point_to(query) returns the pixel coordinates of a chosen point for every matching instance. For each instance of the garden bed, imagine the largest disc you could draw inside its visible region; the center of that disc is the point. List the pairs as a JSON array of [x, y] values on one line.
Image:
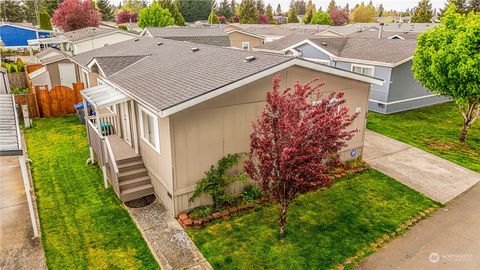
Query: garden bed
[[334, 227]]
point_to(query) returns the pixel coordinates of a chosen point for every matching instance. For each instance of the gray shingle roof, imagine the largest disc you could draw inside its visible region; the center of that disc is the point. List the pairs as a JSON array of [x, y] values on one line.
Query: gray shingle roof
[[379, 50], [200, 35], [86, 32], [112, 64], [52, 59], [285, 42], [172, 74]]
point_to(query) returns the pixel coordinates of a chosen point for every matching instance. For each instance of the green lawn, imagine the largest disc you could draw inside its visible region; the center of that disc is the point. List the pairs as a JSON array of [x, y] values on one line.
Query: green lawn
[[434, 129], [83, 225], [324, 227]]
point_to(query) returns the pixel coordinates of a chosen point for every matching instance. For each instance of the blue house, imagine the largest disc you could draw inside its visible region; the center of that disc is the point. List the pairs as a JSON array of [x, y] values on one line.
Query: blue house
[[16, 36]]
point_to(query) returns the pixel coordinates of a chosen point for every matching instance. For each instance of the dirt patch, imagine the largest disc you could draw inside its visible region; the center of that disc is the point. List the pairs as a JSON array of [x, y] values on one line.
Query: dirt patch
[[141, 202]]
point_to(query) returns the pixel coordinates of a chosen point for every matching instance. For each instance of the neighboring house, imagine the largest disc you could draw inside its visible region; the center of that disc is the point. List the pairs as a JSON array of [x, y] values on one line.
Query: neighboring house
[[16, 36], [201, 35], [61, 71], [168, 110], [387, 59], [244, 40]]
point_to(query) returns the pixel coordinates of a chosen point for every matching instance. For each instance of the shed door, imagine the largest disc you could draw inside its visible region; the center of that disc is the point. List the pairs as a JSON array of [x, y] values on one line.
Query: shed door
[[67, 74]]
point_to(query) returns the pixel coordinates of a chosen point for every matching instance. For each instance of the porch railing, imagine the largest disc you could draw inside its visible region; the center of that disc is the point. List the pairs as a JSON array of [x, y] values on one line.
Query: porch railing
[[108, 123], [112, 167], [96, 142]]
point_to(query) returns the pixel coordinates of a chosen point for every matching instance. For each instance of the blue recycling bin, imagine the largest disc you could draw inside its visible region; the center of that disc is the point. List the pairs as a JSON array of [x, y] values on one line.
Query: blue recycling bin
[[80, 111]]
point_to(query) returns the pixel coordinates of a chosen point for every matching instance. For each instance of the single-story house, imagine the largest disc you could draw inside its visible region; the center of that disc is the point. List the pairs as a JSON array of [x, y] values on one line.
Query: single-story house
[[201, 35], [16, 36], [387, 59], [167, 110], [61, 71]]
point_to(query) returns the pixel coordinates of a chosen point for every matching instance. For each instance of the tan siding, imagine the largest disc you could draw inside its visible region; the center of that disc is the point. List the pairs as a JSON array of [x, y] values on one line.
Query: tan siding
[[206, 132], [237, 38]]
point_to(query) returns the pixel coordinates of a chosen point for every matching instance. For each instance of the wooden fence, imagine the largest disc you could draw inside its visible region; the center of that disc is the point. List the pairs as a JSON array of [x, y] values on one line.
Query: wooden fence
[[58, 101], [17, 80]]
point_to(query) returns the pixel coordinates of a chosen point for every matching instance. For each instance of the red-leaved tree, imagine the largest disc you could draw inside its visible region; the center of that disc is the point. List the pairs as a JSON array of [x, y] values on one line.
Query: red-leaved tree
[[263, 19], [339, 16], [125, 16], [295, 141], [75, 14], [235, 19]]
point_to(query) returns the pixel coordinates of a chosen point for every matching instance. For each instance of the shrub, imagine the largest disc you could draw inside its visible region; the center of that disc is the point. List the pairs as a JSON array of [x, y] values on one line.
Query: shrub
[[45, 21], [216, 181], [20, 65], [125, 16], [123, 27], [251, 193]]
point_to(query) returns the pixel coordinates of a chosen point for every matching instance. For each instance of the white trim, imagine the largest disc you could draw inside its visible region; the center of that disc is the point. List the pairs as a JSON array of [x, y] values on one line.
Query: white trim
[[245, 33], [156, 131], [27, 28], [146, 33], [248, 45], [306, 41], [87, 77], [352, 66], [396, 36], [267, 72], [94, 62], [403, 100], [331, 31], [101, 35], [322, 61], [403, 61]]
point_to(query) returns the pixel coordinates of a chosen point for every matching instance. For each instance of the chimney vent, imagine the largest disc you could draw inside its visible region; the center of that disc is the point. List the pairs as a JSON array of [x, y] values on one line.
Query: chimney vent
[[137, 39], [380, 31], [159, 43], [195, 49], [324, 44], [249, 58]]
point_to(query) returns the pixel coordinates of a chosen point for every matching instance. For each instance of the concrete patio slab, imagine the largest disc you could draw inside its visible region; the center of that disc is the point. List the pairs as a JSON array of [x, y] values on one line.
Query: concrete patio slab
[[431, 175], [18, 248], [169, 243], [449, 239]]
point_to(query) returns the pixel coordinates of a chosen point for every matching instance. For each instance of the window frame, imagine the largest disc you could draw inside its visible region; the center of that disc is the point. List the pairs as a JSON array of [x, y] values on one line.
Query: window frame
[[156, 134], [363, 67], [248, 45]]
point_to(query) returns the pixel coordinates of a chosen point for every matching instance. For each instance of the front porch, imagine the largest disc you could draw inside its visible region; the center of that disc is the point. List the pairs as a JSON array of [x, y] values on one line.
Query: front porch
[[110, 141]]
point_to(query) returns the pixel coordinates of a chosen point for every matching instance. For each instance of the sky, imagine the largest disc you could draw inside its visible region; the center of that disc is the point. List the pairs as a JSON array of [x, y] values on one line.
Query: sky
[[387, 4]]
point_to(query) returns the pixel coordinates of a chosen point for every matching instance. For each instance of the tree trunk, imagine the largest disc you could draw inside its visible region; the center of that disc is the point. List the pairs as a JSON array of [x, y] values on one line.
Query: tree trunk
[[463, 134], [470, 113], [283, 220]]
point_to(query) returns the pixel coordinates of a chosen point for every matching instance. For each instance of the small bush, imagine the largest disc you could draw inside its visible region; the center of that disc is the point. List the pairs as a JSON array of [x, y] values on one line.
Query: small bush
[[19, 91], [251, 193], [123, 27]]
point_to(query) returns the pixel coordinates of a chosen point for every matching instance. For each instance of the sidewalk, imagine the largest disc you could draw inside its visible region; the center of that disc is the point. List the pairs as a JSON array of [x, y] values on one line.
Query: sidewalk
[[18, 248], [449, 239], [431, 175], [168, 241]]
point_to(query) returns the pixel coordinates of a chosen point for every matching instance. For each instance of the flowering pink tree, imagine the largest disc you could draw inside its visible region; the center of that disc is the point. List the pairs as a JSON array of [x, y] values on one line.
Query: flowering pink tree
[[263, 19], [235, 19], [339, 16], [75, 14], [222, 19], [295, 142], [125, 16]]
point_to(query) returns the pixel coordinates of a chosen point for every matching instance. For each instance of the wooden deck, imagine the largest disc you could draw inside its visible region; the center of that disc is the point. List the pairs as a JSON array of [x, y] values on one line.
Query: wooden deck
[[121, 149]]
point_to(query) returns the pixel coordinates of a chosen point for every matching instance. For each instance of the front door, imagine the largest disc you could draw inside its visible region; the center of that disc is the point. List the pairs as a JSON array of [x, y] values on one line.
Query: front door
[[67, 74], [127, 135]]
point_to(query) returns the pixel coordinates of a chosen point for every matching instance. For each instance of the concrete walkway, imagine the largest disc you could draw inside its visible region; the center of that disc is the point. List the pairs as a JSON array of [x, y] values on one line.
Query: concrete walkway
[[450, 239], [18, 248], [433, 176], [168, 241]]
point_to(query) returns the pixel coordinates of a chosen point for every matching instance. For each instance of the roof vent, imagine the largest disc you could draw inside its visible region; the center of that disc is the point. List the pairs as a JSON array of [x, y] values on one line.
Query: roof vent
[[324, 44], [249, 58], [159, 43], [195, 49], [137, 39]]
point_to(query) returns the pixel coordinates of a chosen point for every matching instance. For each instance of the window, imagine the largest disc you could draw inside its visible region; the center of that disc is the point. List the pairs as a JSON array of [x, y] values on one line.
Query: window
[[364, 70], [149, 129], [245, 45]]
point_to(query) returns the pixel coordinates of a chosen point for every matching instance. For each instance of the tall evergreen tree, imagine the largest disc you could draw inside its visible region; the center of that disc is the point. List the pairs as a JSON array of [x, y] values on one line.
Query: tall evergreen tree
[[224, 9], [45, 21], [233, 7], [310, 11], [380, 10], [260, 6], [49, 5], [331, 6], [106, 10], [279, 10], [31, 10], [301, 7], [462, 6], [11, 11], [292, 15], [423, 12], [247, 12], [347, 8], [172, 7], [269, 12], [194, 10], [474, 5]]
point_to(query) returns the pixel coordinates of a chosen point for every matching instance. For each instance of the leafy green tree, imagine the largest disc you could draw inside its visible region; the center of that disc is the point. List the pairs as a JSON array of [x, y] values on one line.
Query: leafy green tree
[[310, 11], [292, 15], [105, 9], [247, 11], [363, 14], [172, 7], [213, 18], [30, 8], [225, 9], [322, 18], [447, 62], [11, 11], [133, 6], [45, 21], [156, 16], [279, 10], [269, 12], [331, 6], [194, 10], [260, 6], [49, 5], [423, 12]]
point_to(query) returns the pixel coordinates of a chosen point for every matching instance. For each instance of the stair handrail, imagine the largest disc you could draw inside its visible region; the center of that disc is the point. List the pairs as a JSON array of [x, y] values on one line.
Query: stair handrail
[[112, 157]]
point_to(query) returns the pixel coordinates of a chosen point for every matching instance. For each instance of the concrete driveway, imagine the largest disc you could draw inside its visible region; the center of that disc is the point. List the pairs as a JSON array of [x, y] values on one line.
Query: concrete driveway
[[450, 239], [18, 248], [433, 176]]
